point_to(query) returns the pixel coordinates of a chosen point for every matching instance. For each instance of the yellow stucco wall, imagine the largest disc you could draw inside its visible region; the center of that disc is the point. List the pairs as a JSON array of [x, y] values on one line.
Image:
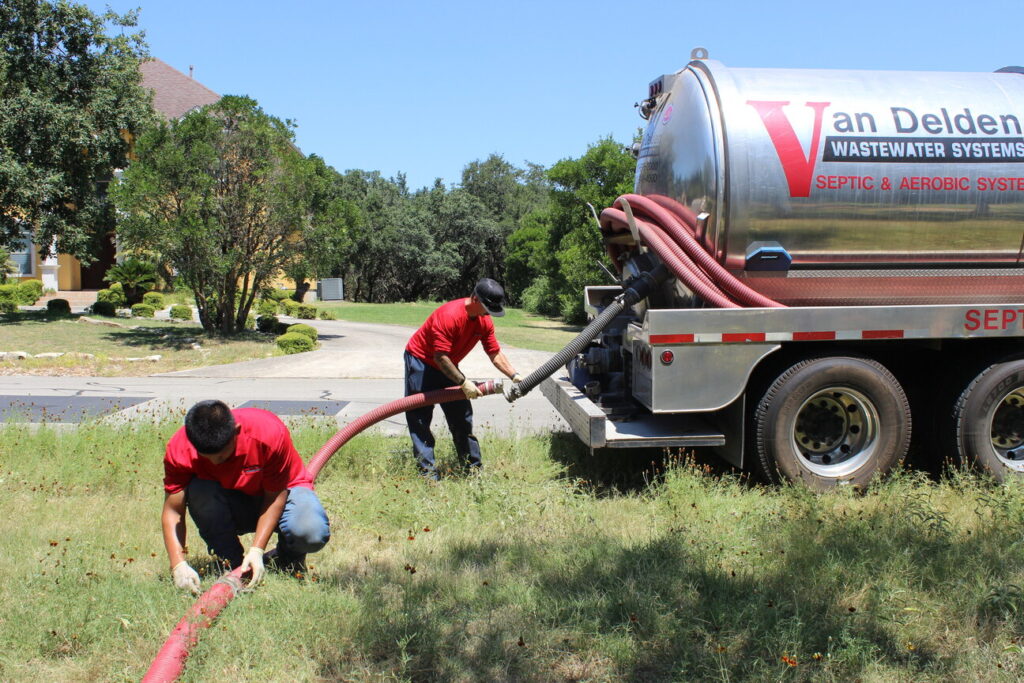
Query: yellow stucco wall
[[69, 275]]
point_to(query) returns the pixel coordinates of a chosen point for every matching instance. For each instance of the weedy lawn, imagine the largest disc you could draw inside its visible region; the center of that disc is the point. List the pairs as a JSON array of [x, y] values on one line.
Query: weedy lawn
[[180, 345], [549, 566]]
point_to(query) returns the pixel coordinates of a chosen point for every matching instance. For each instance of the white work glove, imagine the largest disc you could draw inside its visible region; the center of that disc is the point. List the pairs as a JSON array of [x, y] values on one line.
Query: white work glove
[[517, 378], [470, 390], [185, 577], [254, 561]]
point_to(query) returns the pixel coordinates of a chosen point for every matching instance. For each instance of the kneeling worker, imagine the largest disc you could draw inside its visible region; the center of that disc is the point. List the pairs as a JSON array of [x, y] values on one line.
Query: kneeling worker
[[237, 472]]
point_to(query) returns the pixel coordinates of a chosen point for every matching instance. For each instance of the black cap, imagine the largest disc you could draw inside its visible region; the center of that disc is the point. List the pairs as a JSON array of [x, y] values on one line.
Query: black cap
[[491, 295]]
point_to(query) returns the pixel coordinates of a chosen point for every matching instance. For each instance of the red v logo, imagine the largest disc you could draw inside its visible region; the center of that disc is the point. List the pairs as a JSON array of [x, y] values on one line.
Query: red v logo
[[797, 167]]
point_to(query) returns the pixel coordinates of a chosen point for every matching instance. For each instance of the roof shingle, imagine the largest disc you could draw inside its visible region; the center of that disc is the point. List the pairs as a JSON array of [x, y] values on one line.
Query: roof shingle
[[174, 93]]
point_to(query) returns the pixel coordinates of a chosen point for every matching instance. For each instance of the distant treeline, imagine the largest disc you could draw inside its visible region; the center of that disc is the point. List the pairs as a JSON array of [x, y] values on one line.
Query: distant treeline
[[529, 228]]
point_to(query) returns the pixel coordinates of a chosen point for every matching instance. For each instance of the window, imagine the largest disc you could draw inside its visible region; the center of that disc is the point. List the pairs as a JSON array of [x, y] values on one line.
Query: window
[[22, 252]]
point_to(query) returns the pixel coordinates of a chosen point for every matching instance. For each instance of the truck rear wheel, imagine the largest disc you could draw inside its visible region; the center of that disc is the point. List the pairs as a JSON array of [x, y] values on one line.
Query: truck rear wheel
[[989, 420], [830, 421]]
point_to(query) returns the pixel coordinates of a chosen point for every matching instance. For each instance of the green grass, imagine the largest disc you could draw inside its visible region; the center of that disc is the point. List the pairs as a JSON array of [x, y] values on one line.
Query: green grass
[[34, 333], [541, 569], [516, 328]]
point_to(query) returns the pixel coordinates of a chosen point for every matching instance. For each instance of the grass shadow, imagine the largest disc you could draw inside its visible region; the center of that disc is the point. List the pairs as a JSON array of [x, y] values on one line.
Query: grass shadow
[[664, 609], [42, 316], [614, 471]]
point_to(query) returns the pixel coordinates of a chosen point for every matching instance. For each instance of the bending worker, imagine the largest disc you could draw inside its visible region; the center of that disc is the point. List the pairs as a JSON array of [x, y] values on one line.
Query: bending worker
[[237, 472], [432, 359]]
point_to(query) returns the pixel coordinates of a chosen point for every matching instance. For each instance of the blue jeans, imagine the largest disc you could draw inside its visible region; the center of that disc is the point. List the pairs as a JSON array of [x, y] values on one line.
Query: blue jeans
[[221, 515], [420, 377]]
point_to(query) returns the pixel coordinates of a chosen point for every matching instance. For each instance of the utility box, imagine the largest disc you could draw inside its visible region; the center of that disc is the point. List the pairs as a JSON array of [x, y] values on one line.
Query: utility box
[[330, 289]]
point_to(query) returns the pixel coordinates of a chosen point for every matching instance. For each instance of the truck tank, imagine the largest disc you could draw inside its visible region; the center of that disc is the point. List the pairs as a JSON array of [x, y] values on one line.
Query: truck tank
[[826, 187]]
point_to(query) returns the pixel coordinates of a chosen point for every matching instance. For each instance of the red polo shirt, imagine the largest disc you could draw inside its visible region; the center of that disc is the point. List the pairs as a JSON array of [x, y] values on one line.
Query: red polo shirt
[[265, 458], [451, 331]]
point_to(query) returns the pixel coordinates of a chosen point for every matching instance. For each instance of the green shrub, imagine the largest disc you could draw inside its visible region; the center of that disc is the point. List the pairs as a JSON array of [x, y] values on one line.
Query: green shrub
[[7, 306], [327, 315], [58, 307], [289, 307], [267, 323], [9, 293], [541, 297], [114, 295], [104, 308], [181, 312], [266, 307], [154, 299], [142, 311], [277, 295], [293, 342], [302, 328], [134, 275], [306, 312], [29, 291]]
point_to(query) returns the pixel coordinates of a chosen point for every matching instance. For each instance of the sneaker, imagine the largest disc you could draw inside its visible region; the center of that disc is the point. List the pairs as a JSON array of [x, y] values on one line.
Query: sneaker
[[293, 564]]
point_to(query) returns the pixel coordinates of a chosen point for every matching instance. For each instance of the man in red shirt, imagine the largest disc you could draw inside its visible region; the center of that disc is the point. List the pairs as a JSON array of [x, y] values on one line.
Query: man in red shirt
[[237, 472], [432, 359]]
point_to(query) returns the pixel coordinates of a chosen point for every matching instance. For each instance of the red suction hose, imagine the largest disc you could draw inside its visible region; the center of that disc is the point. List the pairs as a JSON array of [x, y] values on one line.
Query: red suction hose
[[170, 661], [385, 411], [676, 223]]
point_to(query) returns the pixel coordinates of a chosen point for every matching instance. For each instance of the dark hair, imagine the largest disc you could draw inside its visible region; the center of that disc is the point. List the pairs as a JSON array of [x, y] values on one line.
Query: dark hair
[[209, 426]]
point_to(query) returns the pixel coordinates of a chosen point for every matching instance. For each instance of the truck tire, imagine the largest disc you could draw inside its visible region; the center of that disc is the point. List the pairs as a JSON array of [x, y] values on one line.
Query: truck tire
[[830, 421], [989, 420]]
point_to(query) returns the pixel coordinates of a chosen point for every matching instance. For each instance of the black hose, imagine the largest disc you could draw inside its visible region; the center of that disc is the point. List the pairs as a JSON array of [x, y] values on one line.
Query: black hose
[[640, 288]]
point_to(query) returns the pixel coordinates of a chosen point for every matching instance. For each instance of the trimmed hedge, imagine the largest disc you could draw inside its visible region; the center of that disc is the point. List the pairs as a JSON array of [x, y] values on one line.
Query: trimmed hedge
[[277, 295], [267, 323], [288, 306], [266, 307], [293, 342], [142, 311], [154, 299], [180, 312], [9, 293], [7, 306], [327, 315], [104, 308], [58, 307], [114, 295], [306, 312], [29, 291], [302, 328]]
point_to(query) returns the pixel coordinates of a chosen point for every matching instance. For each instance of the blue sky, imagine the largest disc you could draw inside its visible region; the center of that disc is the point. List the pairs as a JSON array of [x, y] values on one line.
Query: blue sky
[[426, 87]]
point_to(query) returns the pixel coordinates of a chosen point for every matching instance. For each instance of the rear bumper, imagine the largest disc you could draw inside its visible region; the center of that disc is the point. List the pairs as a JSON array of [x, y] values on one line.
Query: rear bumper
[[645, 430]]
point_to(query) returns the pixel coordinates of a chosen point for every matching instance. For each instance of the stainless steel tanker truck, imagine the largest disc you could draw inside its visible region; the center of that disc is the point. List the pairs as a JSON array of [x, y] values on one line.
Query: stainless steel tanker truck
[[834, 265]]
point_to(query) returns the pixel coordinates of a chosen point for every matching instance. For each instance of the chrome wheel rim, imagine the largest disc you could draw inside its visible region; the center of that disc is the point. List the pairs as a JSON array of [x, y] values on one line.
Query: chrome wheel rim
[[1007, 429], [836, 431]]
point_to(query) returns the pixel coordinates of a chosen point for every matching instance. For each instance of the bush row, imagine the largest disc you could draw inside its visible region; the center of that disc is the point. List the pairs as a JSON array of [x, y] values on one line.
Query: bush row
[[24, 293]]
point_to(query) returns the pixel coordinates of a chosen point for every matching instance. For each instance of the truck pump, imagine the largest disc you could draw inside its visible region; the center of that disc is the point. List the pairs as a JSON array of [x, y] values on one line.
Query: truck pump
[[819, 260]]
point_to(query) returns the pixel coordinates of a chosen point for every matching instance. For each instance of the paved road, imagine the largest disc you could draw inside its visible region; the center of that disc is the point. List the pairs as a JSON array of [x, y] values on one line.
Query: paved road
[[357, 368]]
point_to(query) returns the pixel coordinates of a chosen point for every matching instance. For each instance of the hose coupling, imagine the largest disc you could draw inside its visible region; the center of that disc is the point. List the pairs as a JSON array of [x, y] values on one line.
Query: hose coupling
[[490, 386]]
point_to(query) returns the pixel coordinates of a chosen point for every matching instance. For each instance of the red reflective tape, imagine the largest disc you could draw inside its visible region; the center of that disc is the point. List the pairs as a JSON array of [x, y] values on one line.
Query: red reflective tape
[[814, 336], [728, 337], [671, 339], [881, 334]]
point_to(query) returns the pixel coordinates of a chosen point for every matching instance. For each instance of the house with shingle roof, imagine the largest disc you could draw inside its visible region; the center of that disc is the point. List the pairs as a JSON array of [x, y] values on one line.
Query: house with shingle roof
[[174, 95]]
